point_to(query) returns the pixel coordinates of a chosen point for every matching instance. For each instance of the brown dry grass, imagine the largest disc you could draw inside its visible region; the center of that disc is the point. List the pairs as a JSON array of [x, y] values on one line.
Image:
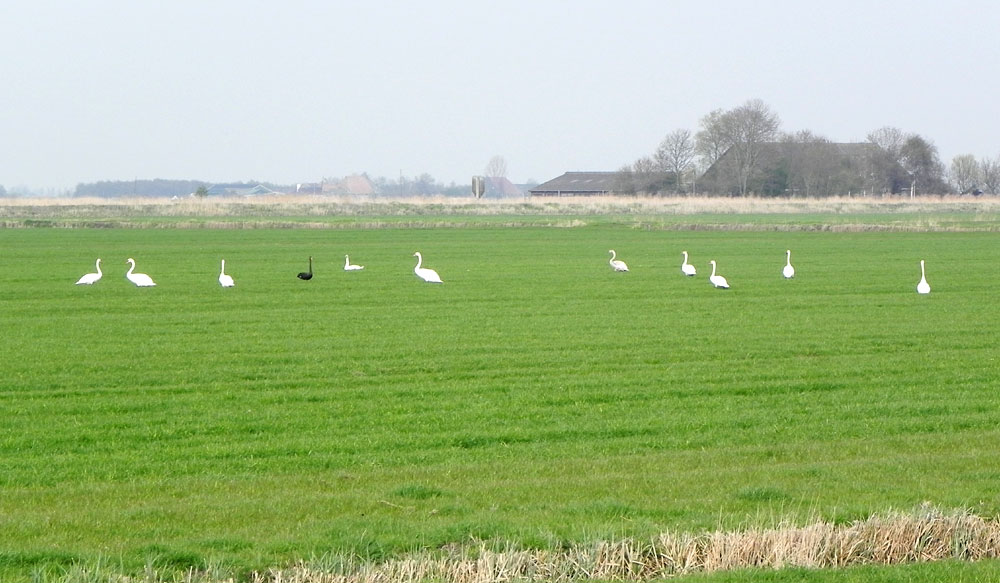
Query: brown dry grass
[[926, 535], [320, 206]]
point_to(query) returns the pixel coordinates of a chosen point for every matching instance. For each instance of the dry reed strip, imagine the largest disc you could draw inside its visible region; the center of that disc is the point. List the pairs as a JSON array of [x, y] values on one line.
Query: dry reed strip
[[927, 535], [313, 206]]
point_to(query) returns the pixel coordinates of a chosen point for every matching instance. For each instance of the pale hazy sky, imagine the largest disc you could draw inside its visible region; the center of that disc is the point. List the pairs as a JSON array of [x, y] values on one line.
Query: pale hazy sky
[[294, 90]]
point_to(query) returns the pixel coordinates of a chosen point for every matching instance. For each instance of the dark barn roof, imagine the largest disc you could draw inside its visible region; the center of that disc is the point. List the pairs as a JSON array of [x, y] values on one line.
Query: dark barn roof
[[578, 184]]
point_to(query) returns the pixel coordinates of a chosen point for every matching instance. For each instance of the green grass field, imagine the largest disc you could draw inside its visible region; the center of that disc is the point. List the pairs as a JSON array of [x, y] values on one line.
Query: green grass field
[[535, 397]]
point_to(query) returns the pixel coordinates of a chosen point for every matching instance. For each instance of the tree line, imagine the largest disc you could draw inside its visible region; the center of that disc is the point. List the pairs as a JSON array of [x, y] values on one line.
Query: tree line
[[743, 151], [421, 185]]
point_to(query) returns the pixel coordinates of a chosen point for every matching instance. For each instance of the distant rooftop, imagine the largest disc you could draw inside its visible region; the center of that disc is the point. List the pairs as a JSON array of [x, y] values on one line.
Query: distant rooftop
[[578, 184]]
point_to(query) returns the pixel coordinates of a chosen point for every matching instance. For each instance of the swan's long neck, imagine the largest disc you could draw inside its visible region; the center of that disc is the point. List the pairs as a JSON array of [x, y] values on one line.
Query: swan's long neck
[[99, 267], [420, 259], [685, 256], [788, 257], [347, 260], [922, 276], [131, 267], [713, 269], [223, 270], [613, 255], [310, 264]]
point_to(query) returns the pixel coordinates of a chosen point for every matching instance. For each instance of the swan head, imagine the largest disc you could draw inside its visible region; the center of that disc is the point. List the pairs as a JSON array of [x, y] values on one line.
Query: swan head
[[130, 260], [416, 253]]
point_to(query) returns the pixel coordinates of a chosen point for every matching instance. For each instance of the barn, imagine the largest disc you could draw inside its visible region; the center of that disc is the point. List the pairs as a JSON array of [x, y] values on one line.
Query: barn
[[605, 183], [578, 184]]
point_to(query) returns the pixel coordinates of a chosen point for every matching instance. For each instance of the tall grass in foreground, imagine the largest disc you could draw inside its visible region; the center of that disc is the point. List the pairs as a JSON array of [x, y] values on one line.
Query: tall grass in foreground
[[880, 540], [897, 539]]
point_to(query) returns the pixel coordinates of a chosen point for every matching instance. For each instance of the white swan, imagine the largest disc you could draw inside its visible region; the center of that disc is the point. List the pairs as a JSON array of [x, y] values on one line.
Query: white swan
[[225, 280], [350, 267], [428, 275], [90, 278], [687, 268], [788, 271], [717, 280], [617, 264], [923, 287], [139, 279]]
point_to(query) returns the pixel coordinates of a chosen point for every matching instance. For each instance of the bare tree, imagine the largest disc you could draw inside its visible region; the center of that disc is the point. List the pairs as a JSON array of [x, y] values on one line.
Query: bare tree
[[990, 171], [496, 167], [889, 139], [900, 161], [644, 165], [625, 180], [921, 162], [751, 127], [884, 172], [424, 184], [965, 173], [676, 155], [812, 163], [713, 139], [644, 175]]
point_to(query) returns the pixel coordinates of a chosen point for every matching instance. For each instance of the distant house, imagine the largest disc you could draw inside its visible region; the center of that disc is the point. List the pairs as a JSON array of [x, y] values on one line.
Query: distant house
[[240, 189], [604, 183], [500, 187], [308, 188], [354, 185], [578, 184]]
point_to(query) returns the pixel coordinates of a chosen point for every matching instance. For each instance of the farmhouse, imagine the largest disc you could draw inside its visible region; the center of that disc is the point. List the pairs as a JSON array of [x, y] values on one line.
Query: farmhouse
[[354, 185], [603, 183], [240, 189], [308, 188], [577, 184], [501, 187], [780, 169]]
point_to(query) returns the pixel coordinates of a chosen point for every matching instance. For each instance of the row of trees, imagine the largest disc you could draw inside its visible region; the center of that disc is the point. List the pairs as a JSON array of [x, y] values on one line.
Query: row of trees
[[743, 151], [421, 185]]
